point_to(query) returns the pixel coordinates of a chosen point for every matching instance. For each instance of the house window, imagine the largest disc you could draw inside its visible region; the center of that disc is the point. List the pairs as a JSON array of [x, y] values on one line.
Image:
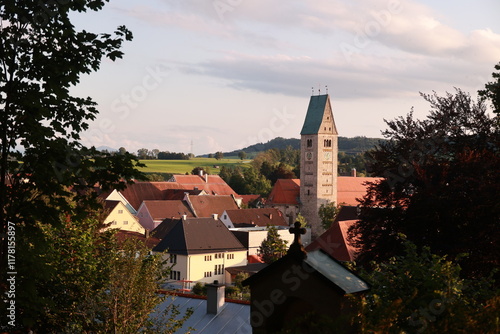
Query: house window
[[219, 269], [173, 258], [309, 143], [208, 257], [175, 275], [208, 274], [225, 216], [115, 222], [125, 222], [230, 256], [120, 211]]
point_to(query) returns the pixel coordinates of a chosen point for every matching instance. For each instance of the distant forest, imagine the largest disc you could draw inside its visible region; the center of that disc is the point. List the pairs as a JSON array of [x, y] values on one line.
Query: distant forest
[[347, 145]]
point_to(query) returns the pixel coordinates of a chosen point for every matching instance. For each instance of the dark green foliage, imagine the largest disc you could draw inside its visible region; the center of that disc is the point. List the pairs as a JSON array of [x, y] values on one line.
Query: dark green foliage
[[242, 155], [200, 289], [219, 155], [172, 156], [419, 292], [441, 186], [248, 181], [327, 213], [273, 247], [492, 91]]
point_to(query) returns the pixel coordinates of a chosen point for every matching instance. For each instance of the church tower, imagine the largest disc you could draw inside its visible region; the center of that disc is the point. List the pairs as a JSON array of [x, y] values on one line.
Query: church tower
[[318, 160]]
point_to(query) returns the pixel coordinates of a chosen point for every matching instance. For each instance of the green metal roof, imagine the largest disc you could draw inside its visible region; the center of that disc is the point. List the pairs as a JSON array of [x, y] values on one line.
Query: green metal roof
[[314, 116]]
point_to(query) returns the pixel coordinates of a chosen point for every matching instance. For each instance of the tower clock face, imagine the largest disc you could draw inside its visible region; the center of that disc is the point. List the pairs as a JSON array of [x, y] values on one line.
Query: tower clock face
[[309, 156], [328, 155]]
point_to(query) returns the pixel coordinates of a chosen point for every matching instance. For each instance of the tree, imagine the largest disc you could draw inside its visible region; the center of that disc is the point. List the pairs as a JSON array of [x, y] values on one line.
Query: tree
[[440, 186], [42, 56], [219, 155], [492, 91], [143, 153], [419, 292], [327, 213], [122, 150], [242, 155], [255, 183], [273, 247], [99, 284]]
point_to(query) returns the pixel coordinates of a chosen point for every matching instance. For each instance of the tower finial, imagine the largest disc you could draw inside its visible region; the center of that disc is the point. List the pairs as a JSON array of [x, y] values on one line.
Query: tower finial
[[319, 89], [326, 87], [312, 88]]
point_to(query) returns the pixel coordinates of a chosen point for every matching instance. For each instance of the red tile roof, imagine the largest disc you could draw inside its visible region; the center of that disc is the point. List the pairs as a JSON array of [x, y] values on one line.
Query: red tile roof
[[122, 235], [285, 191], [207, 205], [334, 242], [212, 184], [141, 191], [349, 188], [256, 217], [246, 199], [160, 210]]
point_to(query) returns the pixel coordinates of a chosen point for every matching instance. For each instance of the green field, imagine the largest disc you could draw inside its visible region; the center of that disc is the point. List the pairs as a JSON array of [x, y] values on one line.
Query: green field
[[186, 166]]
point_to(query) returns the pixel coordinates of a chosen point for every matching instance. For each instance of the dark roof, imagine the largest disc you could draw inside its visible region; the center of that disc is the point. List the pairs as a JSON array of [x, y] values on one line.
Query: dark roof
[[250, 268], [256, 217], [162, 230], [314, 116], [198, 236], [319, 262]]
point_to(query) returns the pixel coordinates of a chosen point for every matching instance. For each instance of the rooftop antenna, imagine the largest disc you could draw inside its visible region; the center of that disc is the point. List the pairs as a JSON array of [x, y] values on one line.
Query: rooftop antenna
[[326, 89], [319, 89], [191, 146]]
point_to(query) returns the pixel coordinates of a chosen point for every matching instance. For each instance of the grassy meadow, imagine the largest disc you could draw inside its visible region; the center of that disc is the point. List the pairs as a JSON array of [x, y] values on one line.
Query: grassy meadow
[[186, 166]]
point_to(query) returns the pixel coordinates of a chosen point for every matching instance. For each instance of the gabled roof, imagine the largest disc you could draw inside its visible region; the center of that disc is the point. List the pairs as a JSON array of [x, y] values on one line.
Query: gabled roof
[[206, 206], [162, 230], [315, 113], [256, 217], [212, 184], [160, 210], [199, 236], [285, 191], [334, 240], [320, 263], [247, 199], [142, 191], [349, 188]]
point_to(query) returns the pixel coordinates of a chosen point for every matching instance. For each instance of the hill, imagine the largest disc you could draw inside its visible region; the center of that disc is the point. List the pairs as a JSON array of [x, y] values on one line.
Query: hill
[[348, 145]]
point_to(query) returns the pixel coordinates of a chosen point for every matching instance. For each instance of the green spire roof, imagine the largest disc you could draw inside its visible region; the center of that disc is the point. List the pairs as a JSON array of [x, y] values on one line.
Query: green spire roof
[[315, 113]]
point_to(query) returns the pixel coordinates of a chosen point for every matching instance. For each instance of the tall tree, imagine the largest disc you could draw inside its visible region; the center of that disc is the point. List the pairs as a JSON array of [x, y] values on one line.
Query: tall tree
[[327, 214], [440, 187], [42, 56], [219, 155], [273, 247], [491, 91]]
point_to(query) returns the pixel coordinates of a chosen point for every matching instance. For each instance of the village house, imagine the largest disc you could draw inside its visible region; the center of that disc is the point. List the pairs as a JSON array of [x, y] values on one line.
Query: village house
[[152, 213], [253, 217], [119, 217], [200, 249]]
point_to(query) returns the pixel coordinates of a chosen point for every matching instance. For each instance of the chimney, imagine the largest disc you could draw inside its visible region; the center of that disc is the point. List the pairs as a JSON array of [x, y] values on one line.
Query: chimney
[[215, 216], [206, 178], [215, 297], [146, 233], [353, 172], [184, 217], [270, 216], [200, 172]]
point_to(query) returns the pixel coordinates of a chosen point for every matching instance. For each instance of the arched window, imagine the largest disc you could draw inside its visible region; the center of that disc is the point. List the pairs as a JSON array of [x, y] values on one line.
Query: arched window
[[309, 143]]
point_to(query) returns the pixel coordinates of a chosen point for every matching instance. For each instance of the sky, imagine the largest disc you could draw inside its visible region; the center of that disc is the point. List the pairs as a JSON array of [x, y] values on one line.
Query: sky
[[204, 76]]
